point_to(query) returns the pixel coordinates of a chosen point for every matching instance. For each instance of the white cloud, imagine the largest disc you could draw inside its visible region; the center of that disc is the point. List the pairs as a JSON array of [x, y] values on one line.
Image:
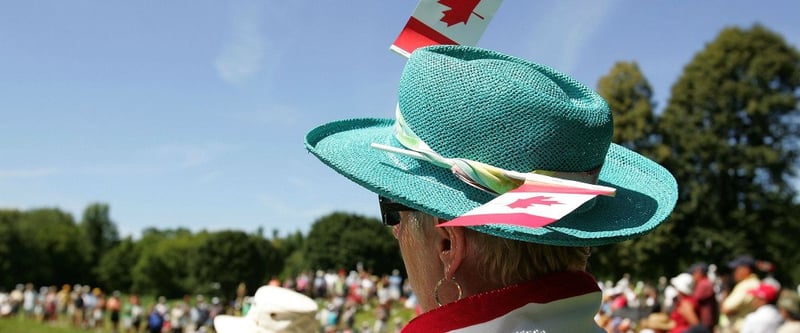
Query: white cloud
[[27, 173], [561, 34], [188, 155], [244, 54], [275, 114], [163, 158]]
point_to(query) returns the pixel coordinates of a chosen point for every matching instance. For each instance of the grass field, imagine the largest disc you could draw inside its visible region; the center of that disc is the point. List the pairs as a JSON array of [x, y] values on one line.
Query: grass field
[[19, 324]]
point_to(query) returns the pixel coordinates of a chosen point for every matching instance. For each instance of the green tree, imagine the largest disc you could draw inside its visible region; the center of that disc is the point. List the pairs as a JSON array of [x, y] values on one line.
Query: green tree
[[114, 269], [100, 233], [10, 247], [630, 97], [229, 257], [51, 249], [293, 249], [167, 263], [731, 126], [341, 240]]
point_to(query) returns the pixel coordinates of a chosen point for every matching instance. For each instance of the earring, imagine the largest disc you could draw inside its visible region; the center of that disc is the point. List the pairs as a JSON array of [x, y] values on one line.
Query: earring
[[439, 284]]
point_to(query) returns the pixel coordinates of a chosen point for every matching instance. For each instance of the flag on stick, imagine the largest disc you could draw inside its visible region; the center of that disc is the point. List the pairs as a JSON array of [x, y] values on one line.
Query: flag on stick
[[445, 22]]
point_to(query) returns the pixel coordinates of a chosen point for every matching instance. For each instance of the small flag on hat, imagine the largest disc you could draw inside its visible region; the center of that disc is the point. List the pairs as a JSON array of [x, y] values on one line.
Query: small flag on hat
[[445, 22], [533, 205]]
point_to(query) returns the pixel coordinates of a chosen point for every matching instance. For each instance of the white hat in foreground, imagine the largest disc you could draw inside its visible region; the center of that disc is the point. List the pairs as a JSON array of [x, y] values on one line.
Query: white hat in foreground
[[274, 310]]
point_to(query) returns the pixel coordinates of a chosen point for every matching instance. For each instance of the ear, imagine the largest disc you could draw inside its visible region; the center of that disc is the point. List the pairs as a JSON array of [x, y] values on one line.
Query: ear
[[451, 247]]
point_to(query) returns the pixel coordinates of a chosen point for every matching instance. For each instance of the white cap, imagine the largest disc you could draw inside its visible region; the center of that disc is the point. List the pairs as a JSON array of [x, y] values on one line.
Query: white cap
[[274, 310], [684, 283]]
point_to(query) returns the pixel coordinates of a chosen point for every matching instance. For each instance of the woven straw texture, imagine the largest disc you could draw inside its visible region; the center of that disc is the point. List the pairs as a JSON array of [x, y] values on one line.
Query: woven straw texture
[[473, 103]]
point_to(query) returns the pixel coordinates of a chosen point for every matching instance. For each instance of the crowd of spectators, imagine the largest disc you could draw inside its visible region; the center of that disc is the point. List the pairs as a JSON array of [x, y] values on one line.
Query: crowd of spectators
[[698, 300], [340, 295]]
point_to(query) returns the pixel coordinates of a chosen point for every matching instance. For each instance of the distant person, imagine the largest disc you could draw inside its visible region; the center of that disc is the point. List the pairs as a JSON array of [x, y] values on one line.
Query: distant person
[[132, 314], [684, 311], [274, 310], [737, 304], [29, 300], [789, 307], [114, 306], [765, 318], [155, 320], [707, 305]]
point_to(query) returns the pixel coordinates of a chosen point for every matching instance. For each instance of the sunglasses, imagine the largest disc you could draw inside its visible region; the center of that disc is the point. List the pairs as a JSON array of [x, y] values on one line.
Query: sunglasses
[[390, 211]]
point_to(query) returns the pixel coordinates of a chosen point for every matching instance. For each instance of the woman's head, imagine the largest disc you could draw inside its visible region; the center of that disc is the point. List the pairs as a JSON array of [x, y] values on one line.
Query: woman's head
[[479, 262]]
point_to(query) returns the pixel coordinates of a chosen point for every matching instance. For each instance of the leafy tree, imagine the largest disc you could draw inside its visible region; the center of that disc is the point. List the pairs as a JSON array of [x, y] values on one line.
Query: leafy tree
[[630, 97], [167, 263], [731, 127], [51, 250], [232, 257], [99, 231], [342, 240], [10, 247], [114, 269], [292, 248]]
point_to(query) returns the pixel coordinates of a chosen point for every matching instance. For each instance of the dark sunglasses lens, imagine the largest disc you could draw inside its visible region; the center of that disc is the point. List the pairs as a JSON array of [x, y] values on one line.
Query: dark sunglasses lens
[[391, 218]]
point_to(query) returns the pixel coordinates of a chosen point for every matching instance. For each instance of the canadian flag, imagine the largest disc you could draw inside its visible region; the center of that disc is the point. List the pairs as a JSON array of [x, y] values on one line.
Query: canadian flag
[[445, 22], [532, 205]]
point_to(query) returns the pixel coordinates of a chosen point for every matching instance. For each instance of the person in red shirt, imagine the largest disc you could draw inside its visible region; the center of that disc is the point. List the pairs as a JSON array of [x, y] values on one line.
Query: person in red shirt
[[684, 314], [707, 305]]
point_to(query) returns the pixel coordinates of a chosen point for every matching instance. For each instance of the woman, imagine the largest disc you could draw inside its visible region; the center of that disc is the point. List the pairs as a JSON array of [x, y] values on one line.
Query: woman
[[485, 250], [684, 313]]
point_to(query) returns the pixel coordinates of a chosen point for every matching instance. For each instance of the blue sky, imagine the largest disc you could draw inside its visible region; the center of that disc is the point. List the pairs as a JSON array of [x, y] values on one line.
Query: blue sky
[[193, 113]]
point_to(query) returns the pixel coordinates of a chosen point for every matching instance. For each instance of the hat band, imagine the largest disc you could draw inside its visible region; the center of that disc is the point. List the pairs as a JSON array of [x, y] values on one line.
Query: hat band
[[480, 175]]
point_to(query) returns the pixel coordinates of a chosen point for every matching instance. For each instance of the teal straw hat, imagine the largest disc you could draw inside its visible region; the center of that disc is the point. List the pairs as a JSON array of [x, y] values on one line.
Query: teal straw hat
[[478, 105]]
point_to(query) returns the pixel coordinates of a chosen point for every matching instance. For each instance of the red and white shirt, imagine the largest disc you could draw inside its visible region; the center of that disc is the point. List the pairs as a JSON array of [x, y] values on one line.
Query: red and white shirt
[[558, 302]]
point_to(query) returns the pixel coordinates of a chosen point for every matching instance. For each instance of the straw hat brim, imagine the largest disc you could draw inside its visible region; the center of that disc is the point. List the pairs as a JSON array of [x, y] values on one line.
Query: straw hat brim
[[646, 192]]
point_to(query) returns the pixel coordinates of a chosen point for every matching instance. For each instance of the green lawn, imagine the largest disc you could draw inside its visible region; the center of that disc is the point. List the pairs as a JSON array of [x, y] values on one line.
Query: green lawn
[[21, 325]]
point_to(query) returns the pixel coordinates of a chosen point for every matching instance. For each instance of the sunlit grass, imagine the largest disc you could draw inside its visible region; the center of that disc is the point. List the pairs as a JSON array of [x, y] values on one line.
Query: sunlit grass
[[19, 324]]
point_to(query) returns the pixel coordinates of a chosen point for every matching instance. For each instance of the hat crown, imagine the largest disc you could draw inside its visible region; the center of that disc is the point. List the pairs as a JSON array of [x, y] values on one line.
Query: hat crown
[[460, 101]]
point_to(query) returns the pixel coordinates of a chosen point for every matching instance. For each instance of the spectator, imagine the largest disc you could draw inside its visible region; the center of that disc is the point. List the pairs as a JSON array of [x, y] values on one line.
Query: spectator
[[28, 300], [114, 305], [765, 318], [737, 304], [684, 312], [199, 313], [789, 307], [707, 306], [155, 320]]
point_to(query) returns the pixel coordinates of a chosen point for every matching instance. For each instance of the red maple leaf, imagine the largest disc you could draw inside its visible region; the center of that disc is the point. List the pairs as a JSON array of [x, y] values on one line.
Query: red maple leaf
[[537, 200], [460, 11]]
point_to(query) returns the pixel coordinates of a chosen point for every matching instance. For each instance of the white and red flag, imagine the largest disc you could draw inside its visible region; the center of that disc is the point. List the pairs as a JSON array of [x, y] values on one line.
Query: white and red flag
[[445, 22], [532, 205]]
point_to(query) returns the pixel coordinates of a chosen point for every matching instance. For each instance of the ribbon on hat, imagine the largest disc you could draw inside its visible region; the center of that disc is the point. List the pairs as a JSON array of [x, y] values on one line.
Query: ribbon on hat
[[533, 200], [483, 176]]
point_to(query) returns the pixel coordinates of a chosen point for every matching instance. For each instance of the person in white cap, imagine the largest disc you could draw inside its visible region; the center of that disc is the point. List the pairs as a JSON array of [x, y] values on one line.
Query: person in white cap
[[274, 310]]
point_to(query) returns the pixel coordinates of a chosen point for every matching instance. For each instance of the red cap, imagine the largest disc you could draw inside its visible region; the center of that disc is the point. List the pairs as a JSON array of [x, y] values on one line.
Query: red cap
[[765, 291]]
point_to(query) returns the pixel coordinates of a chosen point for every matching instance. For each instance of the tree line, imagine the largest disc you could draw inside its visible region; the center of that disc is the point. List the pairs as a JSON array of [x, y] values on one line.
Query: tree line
[[729, 135], [48, 247]]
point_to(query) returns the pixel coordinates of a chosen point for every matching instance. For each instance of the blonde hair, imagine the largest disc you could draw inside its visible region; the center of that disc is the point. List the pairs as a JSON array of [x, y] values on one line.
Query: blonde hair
[[507, 261]]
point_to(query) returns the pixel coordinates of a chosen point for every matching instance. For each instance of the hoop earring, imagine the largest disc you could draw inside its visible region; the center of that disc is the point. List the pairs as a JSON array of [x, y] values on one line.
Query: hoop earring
[[439, 284]]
